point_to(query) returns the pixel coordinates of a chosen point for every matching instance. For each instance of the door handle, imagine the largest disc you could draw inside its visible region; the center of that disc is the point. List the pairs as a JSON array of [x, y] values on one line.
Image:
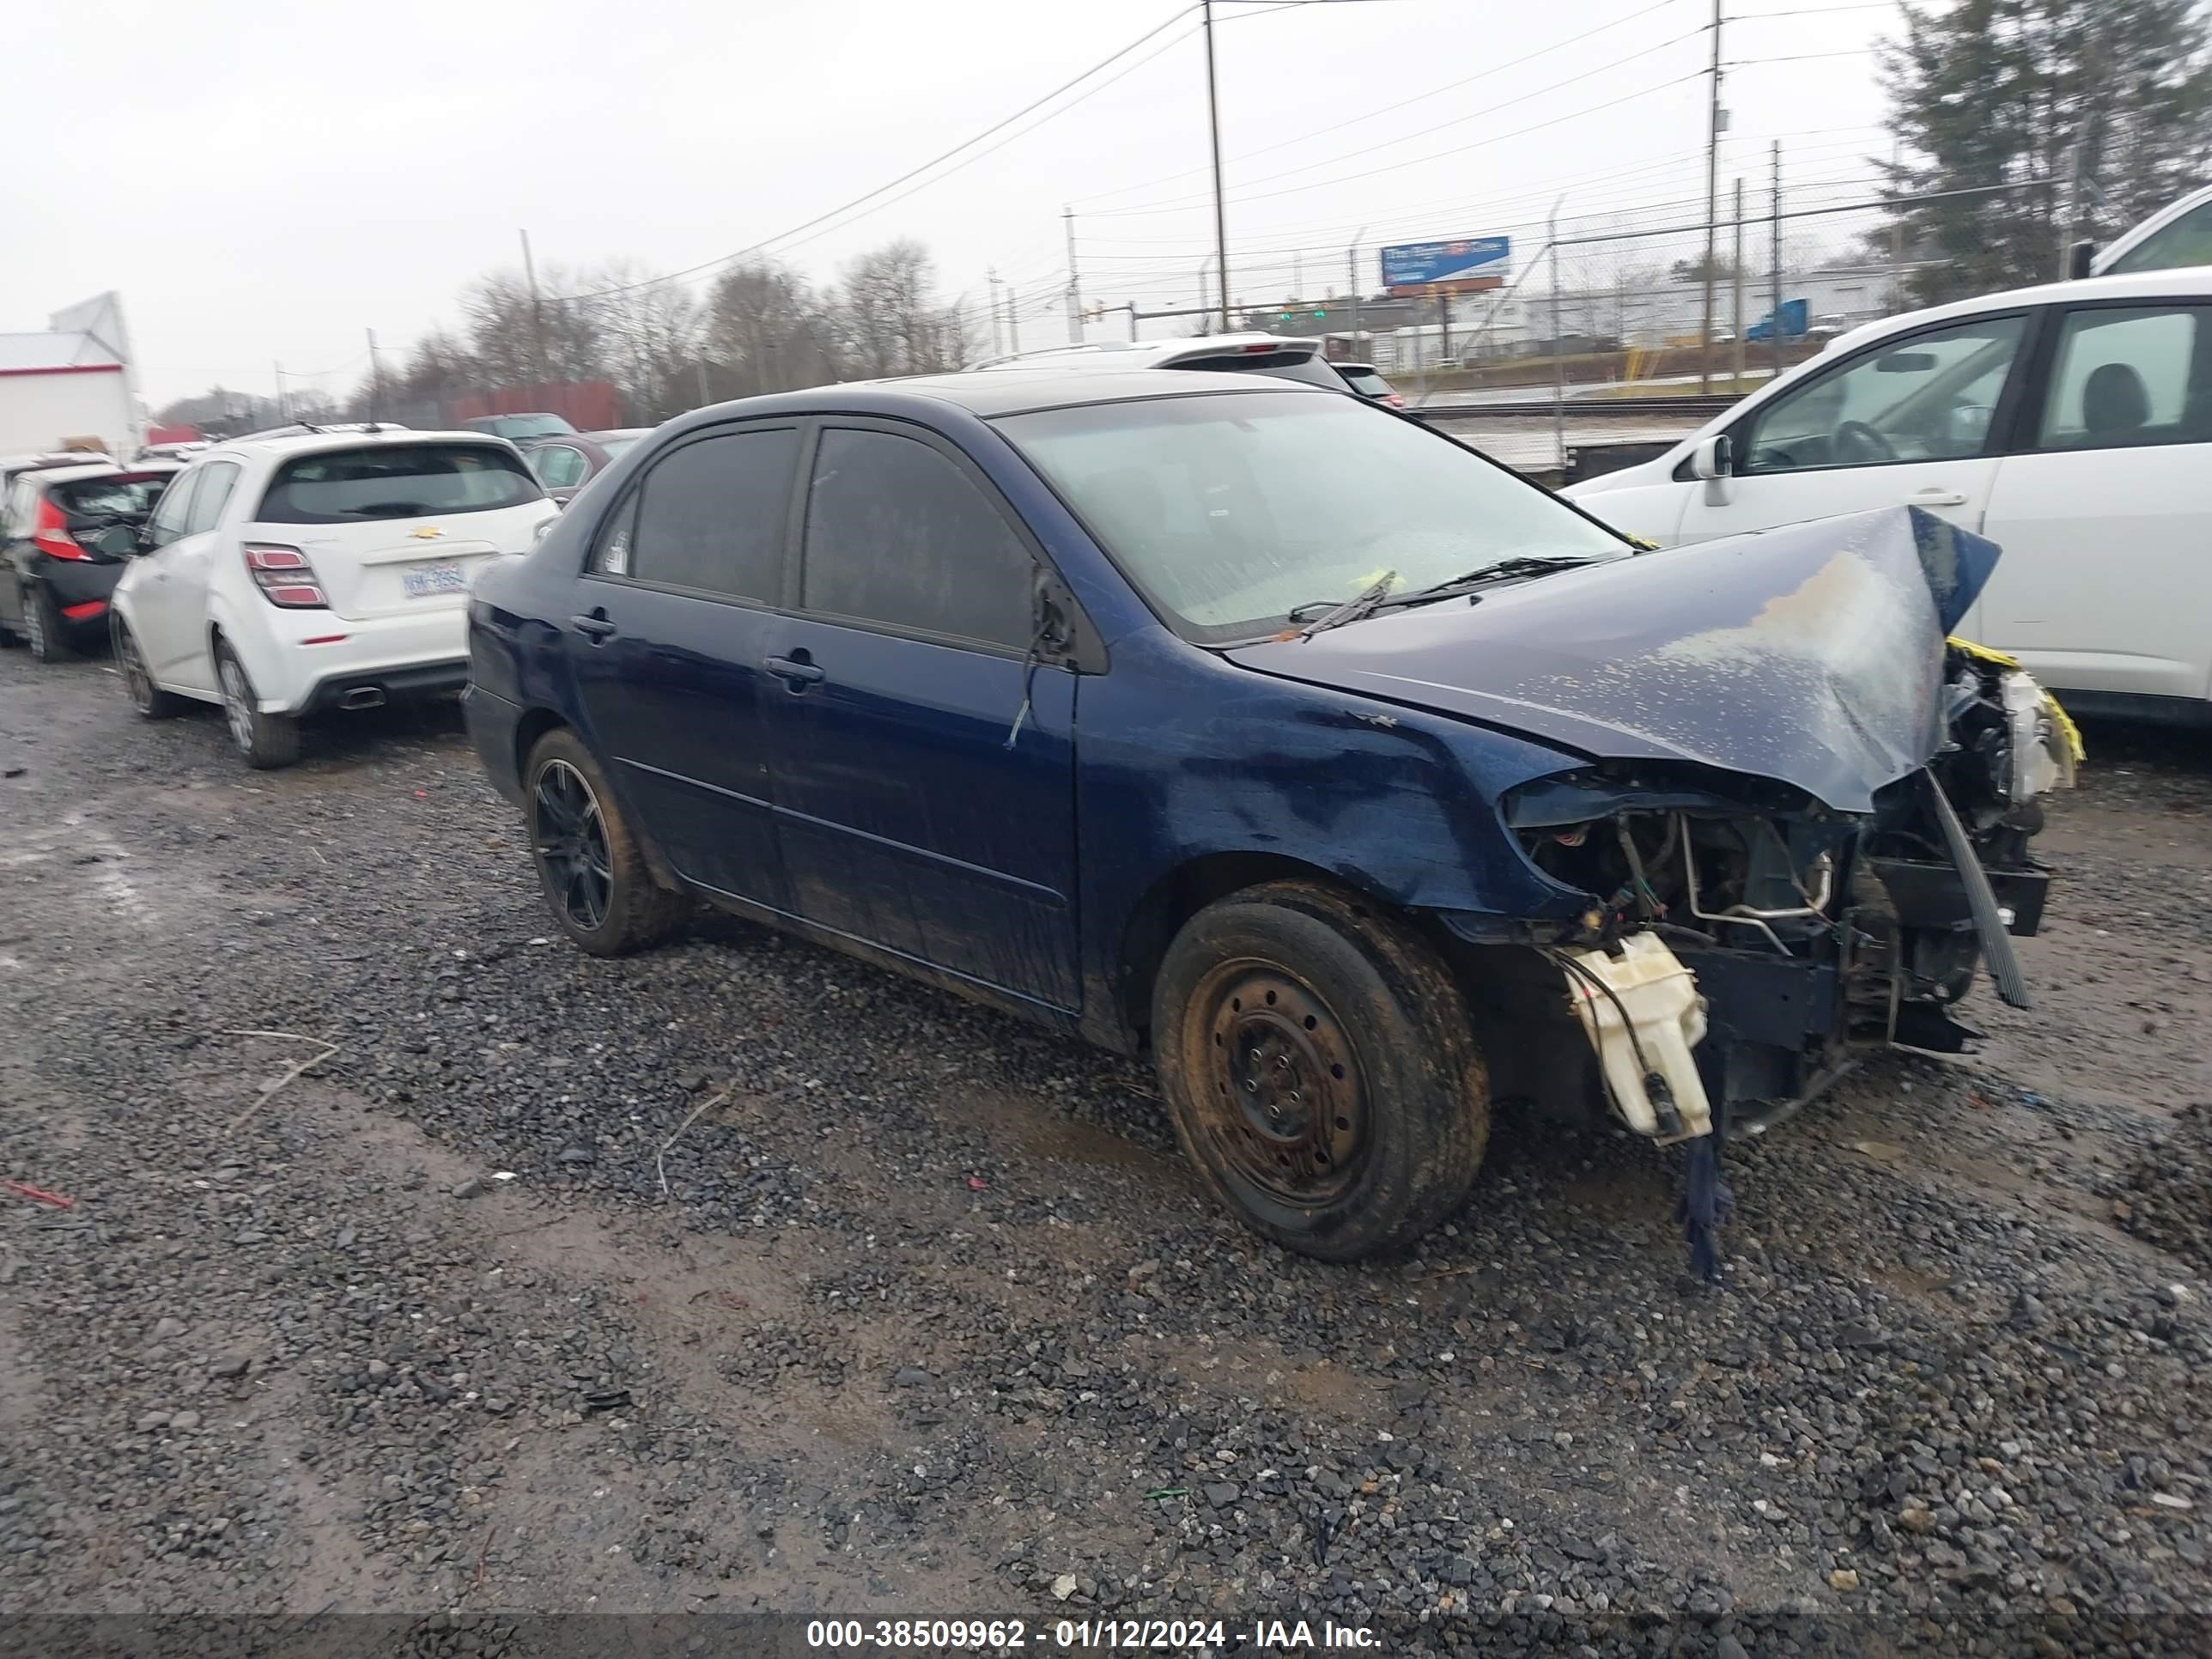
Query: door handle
[[1936, 497], [595, 628], [797, 672]]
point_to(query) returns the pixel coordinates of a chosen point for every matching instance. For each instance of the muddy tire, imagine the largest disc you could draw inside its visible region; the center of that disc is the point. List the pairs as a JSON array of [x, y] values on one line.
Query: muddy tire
[[1316, 1059], [264, 742], [152, 703], [595, 879], [43, 627]]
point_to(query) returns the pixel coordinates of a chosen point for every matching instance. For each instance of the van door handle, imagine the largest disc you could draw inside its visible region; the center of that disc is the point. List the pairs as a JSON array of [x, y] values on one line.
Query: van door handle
[[595, 628], [1936, 497], [794, 672]]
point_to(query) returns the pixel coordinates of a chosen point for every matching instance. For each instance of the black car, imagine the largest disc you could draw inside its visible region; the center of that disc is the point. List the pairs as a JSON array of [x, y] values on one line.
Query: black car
[[64, 535]]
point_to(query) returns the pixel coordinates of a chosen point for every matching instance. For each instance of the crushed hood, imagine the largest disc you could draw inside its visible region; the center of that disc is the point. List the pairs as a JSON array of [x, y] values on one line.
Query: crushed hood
[[1812, 654]]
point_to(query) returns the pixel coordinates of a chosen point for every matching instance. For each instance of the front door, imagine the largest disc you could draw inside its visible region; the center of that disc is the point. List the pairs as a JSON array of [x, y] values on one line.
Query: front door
[[2105, 513], [669, 627], [925, 770], [1912, 421]]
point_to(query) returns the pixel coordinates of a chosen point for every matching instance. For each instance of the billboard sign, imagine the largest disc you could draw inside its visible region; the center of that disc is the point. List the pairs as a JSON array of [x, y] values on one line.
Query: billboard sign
[[1468, 265]]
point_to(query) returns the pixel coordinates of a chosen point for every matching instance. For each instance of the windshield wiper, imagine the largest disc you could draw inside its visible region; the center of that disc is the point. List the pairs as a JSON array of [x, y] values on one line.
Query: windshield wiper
[[1362, 603], [1523, 564]]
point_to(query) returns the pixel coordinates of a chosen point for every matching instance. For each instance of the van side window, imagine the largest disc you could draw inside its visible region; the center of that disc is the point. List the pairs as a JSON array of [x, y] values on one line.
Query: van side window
[[2128, 375], [1929, 397]]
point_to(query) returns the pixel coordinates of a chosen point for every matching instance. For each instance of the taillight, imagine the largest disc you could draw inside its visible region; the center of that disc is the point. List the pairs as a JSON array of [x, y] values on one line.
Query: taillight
[[50, 533], [284, 577]]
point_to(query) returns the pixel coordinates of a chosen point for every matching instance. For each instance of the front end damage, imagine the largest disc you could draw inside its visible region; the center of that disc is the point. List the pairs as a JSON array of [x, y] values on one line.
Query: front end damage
[[1812, 935], [1800, 825]]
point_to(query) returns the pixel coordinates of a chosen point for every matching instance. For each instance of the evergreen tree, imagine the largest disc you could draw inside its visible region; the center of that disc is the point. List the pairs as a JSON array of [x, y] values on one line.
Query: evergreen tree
[[2001, 92]]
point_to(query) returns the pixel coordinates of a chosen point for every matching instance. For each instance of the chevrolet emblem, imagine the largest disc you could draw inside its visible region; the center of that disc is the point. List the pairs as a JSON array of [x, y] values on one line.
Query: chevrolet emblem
[[428, 533]]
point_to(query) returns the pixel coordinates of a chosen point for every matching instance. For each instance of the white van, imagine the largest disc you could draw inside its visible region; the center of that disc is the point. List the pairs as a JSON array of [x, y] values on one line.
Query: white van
[[2071, 425]]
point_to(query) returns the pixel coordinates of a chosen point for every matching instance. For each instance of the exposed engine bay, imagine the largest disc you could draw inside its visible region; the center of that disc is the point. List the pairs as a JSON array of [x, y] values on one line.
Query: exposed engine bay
[[1811, 935]]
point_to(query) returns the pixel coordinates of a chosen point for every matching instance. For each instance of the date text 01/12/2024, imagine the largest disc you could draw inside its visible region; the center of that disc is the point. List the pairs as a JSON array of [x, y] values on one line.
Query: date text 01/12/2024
[[1008, 1635]]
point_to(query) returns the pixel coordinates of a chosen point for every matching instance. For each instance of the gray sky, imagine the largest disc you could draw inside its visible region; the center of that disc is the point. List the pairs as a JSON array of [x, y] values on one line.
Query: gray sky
[[263, 181]]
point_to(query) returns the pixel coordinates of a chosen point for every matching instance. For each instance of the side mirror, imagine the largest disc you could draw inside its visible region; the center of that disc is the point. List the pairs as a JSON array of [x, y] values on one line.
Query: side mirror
[[2079, 258], [1713, 458]]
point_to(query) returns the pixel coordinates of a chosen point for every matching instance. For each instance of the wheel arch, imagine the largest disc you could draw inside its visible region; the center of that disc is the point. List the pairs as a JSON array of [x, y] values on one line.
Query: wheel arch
[[1177, 897]]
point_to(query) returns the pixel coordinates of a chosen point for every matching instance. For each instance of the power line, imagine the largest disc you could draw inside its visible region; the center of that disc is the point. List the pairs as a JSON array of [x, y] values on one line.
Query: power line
[[1393, 109], [1458, 120], [913, 172]]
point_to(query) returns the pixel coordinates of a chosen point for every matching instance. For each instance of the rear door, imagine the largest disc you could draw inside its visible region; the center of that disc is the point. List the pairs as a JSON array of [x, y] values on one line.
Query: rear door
[[2105, 511], [158, 601], [395, 529], [925, 772], [671, 628], [1912, 421]]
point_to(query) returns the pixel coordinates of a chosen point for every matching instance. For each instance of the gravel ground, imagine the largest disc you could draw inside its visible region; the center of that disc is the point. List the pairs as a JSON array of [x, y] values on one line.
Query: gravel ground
[[920, 1313]]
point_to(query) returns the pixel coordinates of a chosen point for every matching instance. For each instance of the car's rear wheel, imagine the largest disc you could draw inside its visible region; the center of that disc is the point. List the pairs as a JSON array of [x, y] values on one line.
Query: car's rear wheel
[[264, 742], [43, 626], [1316, 1059], [595, 879], [151, 702]]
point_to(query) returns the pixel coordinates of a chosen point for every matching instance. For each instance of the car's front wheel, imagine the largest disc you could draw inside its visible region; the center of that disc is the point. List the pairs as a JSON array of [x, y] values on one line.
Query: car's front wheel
[[1316, 1059], [264, 742], [595, 879]]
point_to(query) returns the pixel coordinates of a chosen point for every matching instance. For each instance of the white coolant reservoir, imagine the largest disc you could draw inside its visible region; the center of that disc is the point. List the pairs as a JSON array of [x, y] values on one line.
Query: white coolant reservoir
[[1660, 998]]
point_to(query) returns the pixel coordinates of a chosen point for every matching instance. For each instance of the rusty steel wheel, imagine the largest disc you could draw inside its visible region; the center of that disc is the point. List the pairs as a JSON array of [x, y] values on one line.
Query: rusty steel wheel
[[1318, 1061], [1287, 1108]]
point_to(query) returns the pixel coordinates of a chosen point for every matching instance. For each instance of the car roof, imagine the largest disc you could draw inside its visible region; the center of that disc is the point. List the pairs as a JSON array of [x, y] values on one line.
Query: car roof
[[107, 470], [316, 443], [39, 460], [1110, 355], [2190, 282], [1022, 389]]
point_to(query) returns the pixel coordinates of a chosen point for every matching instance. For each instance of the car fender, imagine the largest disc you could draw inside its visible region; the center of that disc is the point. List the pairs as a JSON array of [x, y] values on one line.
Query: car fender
[[258, 652]]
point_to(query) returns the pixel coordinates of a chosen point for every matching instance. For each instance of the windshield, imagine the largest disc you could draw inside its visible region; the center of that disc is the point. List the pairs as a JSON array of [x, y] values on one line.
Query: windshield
[[396, 481], [1366, 381], [616, 447], [524, 426], [1230, 511]]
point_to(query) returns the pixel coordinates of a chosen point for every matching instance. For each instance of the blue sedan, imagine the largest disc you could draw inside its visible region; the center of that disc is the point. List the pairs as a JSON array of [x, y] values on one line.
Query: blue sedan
[[1360, 780]]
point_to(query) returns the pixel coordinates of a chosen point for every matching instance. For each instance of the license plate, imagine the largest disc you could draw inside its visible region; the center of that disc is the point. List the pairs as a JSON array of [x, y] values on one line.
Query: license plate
[[425, 579]]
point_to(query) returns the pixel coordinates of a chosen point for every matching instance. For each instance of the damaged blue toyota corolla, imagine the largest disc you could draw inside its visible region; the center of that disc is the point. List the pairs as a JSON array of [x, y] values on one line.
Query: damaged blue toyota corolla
[[1361, 781]]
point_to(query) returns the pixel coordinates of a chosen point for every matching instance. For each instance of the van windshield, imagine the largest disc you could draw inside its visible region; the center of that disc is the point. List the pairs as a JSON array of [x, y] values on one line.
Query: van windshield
[[1230, 511], [396, 481]]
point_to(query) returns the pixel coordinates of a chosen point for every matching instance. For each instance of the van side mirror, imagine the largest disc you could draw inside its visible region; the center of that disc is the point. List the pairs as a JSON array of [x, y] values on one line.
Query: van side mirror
[[1713, 458], [2079, 258]]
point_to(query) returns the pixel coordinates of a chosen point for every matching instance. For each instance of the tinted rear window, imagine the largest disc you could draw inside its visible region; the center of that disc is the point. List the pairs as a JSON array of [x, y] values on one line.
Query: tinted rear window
[[132, 497], [1304, 366], [1366, 381], [396, 481]]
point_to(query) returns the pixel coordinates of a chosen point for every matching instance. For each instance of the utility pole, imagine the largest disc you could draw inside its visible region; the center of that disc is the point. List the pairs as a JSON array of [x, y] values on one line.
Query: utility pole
[[998, 328], [1774, 258], [1075, 287], [536, 308], [1737, 262], [1220, 215], [1203, 302], [283, 412], [1713, 206], [701, 368], [1013, 325], [1558, 347], [1351, 276], [376, 377], [2070, 212]]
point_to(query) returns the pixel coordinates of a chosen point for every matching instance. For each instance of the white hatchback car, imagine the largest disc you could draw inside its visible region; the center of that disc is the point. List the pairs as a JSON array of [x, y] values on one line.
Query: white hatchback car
[[2071, 425], [288, 575]]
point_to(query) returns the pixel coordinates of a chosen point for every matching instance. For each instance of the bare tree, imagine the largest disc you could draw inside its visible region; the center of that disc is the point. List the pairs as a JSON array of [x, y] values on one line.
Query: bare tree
[[891, 314], [767, 331], [650, 335]]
